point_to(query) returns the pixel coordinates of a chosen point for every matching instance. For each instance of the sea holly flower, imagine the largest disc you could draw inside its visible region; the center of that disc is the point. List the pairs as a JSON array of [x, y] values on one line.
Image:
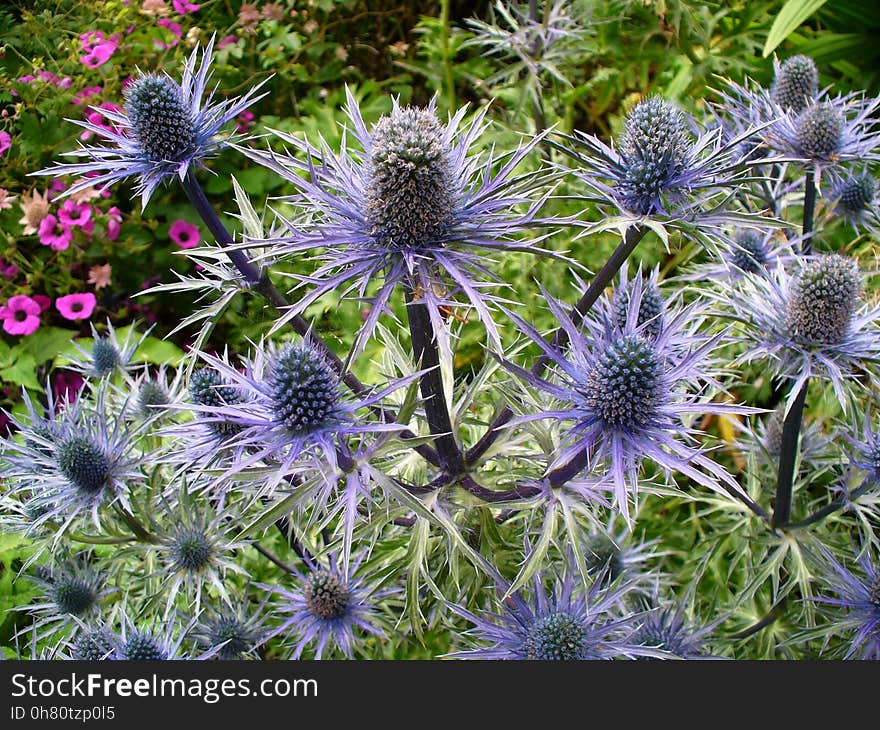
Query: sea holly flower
[[856, 595], [72, 465], [624, 395], [76, 306], [93, 643], [165, 129], [414, 206], [569, 623], [867, 450], [285, 407], [744, 252], [108, 353], [328, 610], [21, 315], [71, 590], [662, 168], [136, 642], [808, 320], [795, 83], [854, 197], [669, 630]]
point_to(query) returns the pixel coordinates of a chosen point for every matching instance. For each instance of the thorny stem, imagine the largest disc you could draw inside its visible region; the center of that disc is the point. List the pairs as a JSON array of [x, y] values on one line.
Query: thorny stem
[[832, 507], [427, 358], [791, 427], [586, 302], [261, 283]]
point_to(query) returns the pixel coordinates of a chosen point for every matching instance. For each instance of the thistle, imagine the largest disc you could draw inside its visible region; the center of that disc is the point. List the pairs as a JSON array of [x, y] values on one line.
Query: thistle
[[796, 84]]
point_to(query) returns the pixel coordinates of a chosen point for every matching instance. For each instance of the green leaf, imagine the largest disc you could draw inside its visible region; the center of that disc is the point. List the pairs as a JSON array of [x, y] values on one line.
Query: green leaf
[[47, 342], [793, 13], [22, 372]]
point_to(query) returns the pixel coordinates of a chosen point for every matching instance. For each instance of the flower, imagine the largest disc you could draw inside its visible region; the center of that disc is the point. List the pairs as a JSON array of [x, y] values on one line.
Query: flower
[[5, 142], [244, 121], [232, 632], [185, 235], [858, 598], [136, 643], [114, 223], [155, 7], [867, 451], [570, 623], [54, 233], [413, 208], [74, 214], [108, 353], [71, 589], [327, 610], [99, 276], [626, 393], [73, 464], [227, 41], [668, 630], [6, 199], [76, 306], [808, 320], [658, 168], [165, 129], [90, 39], [84, 94], [745, 252], [35, 208], [795, 83], [21, 315], [182, 7], [99, 54], [854, 197]]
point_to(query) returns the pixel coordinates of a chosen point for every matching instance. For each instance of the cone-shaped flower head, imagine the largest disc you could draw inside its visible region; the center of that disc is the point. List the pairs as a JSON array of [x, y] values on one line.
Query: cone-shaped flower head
[[142, 646], [84, 463], [304, 390], [208, 388], [856, 194], [325, 595], [654, 148], [823, 299], [161, 121], [796, 84], [151, 396], [651, 307], [105, 357], [819, 130], [93, 644], [751, 252], [559, 635], [190, 549], [410, 190]]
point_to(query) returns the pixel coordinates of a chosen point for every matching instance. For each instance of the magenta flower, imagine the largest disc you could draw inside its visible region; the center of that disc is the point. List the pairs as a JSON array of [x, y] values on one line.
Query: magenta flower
[[227, 41], [66, 384], [90, 39], [99, 55], [185, 235], [8, 270], [81, 96], [171, 25], [21, 315], [114, 223], [76, 306], [182, 7], [5, 142], [44, 301], [54, 233], [244, 121], [75, 214]]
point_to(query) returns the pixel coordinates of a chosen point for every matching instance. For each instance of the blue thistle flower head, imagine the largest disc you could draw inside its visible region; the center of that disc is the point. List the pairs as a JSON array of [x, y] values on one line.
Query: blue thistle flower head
[[71, 593], [93, 644], [857, 600], [651, 306], [84, 461], [151, 397], [669, 631], [165, 129], [623, 396], [866, 450], [105, 358], [819, 129], [854, 197], [304, 390], [751, 254], [796, 83], [231, 632], [409, 204], [137, 642], [109, 353], [330, 609], [808, 320], [569, 623]]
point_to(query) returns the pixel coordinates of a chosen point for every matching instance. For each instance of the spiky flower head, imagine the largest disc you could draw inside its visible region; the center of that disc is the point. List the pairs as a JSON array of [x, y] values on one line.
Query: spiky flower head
[[304, 389], [158, 642], [413, 206], [866, 449], [329, 610], [109, 353], [623, 398], [823, 299], [105, 358], [854, 197], [142, 646], [71, 592], [93, 644], [654, 149], [83, 461], [410, 193], [669, 631], [152, 395], [807, 320], [208, 388], [819, 129], [750, 254], [161, 121], [165, 129], [796, 83], [604, 556], [857, 600], [651, 306], [231, 632], [569, 623]]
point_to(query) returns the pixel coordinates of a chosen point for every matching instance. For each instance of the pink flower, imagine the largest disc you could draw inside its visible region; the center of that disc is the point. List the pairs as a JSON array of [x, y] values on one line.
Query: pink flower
[[21, 315], [100, 276], [182, 7], [44, 301], [171, 25], [90, 39], [66, 82], [227, 41], [81, 96], [76, 306], [74, 214], [67, 384], [58, 186], [7, 270], [26, 79], [5, 199], [244, 121], [54, 234], [114, 223], [99, 55], [185, 235], [48, 77], [5, 142]]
